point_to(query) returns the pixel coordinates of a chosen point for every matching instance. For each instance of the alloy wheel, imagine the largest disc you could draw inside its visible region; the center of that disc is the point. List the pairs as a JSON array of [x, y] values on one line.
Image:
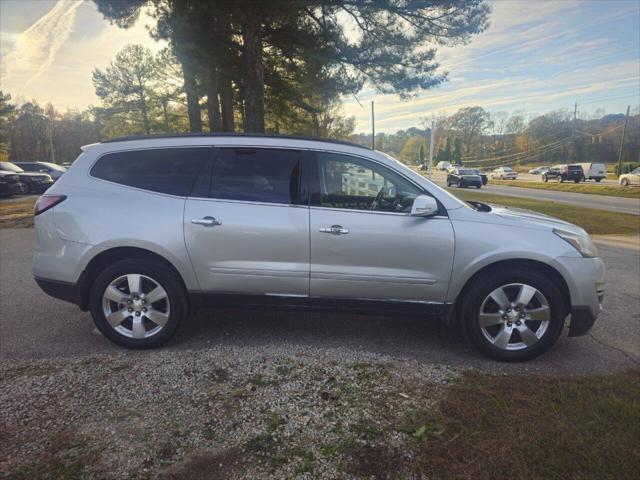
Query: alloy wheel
[[514, 316], [136, 306]]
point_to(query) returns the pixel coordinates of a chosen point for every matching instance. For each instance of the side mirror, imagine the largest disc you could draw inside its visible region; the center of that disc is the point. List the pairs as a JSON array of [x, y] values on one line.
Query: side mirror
[[424, 206]]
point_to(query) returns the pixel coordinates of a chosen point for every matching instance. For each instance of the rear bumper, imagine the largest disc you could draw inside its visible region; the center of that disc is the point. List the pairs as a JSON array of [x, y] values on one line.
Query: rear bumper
[[69, 292]]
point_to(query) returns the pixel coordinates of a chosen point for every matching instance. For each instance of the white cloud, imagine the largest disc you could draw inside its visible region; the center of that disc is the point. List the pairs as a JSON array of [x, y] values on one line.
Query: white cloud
[[91, 42], [36, 48]]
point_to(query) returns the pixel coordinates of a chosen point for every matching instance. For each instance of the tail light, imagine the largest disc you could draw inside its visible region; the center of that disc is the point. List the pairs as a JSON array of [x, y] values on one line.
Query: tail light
[[45, 202]]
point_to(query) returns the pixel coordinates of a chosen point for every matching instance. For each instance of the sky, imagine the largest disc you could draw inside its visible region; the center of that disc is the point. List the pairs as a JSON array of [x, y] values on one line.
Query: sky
[[536, 56]]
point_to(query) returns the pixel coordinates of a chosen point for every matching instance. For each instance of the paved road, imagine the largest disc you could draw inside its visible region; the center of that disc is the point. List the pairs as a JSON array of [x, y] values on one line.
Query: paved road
[[599, 202], [33, 325]]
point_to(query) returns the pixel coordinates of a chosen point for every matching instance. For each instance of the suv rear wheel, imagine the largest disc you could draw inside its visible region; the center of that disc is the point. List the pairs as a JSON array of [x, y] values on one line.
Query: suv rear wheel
[[138, 303], [512, 315]]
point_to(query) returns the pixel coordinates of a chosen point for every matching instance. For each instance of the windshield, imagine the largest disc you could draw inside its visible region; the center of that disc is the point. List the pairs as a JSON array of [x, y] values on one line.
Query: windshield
[[468, 172], [10, 167], [507, 169]]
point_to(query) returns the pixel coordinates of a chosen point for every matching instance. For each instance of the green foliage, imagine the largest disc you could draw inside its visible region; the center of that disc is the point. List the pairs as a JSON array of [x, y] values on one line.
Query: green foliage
[[284, 64], [7, 113], [136, 90]]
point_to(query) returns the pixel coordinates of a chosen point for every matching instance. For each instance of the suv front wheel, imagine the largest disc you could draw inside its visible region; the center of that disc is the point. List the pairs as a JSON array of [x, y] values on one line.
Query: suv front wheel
[[512, 315], [138, 303]]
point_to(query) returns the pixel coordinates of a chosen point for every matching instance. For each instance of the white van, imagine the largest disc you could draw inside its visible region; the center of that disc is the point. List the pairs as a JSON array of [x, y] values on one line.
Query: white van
[[593, 171], [443, 165]]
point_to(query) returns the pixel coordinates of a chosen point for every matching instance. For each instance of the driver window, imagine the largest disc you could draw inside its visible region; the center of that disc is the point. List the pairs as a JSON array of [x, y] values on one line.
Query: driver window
[[351, 183]]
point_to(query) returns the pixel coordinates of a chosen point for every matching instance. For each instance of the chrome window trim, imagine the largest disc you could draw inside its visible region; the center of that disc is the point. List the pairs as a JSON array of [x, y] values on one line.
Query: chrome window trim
[[248, 202]]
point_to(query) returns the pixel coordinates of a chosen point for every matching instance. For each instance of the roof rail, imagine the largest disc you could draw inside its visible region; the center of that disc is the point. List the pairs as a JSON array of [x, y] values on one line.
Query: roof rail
[[232, 134]]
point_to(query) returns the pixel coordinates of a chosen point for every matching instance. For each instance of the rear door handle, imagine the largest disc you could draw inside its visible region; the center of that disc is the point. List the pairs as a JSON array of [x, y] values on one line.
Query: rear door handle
[[206, 221], [335, 230]]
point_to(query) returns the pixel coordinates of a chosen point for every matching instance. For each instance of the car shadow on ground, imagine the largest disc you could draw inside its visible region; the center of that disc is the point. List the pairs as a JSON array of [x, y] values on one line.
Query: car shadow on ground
[[405, 338]]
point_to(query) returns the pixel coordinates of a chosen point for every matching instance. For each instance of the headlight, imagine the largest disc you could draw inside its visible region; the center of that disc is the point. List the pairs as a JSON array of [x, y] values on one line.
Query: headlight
[[582, 243]]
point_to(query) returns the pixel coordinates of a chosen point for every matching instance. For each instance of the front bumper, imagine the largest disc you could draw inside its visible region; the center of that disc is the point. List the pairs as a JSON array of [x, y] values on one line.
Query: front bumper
[[582, 319], [585, 278]]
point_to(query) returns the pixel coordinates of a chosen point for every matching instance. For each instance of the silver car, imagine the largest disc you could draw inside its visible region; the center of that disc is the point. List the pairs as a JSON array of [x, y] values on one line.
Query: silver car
[[141, 231]]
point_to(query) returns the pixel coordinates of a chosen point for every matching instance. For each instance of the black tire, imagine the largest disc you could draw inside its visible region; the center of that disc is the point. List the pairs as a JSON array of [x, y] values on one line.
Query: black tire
[[545, 179], [482, 286], [160, 273], [598, 180], [624, 182], [479, 187]]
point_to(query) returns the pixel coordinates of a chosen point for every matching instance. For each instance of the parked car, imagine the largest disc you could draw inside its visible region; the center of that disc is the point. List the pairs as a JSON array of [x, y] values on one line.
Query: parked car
[[564, 173], [33, 182], [424, 167], [483, 175], [593, 171], [538, 170], [463, 177], [504, 173], [632, 178], [10, 184], [56, 171], [255, 221], [444, 166]]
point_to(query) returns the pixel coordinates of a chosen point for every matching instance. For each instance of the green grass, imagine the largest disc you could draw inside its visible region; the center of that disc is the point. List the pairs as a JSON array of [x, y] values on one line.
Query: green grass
[[596, 222], [590, 188]]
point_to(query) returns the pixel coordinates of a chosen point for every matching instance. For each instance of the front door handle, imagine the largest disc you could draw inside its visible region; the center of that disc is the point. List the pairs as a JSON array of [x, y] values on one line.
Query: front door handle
[[206, 221], [335, 230]]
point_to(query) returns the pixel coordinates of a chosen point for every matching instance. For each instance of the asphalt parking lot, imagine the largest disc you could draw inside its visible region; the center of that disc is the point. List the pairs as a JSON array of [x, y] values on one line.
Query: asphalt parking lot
[[33, 325]]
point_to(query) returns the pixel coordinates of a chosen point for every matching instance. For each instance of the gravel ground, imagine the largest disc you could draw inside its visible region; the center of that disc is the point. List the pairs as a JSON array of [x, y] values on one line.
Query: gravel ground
[[223, 412]]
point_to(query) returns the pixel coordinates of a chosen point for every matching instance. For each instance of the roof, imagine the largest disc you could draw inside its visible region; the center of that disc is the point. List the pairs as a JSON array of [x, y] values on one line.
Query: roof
[[227, 134]]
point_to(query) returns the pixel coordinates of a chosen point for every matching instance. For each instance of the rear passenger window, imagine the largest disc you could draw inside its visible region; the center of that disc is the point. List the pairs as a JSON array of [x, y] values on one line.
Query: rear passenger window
[[164, 170], [256, 175]]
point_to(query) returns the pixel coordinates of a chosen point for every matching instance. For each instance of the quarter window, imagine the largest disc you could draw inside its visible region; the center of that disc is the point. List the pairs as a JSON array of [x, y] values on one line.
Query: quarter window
[[169, 170], [356, 184], [256, 175]]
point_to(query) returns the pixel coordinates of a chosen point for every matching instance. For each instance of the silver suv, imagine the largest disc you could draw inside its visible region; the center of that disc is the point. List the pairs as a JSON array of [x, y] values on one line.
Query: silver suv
[[143, 231]]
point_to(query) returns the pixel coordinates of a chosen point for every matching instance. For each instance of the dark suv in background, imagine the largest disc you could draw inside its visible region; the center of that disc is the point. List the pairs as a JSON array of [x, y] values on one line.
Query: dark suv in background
[[464, 177], [53, 169], [564, 173], [33, 182]]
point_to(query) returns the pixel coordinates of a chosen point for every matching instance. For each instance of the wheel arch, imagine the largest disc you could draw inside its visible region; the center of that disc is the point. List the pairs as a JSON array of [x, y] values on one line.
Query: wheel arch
[[555, 276], [110, 256]]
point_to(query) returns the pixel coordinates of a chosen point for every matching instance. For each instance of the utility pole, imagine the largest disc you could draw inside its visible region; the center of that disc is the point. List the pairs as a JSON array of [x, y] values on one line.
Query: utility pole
[[433, 126], [624, 130], [373, 127]]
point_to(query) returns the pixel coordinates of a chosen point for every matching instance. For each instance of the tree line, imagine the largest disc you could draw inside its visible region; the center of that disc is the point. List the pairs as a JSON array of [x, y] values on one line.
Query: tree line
[[476, 137]]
